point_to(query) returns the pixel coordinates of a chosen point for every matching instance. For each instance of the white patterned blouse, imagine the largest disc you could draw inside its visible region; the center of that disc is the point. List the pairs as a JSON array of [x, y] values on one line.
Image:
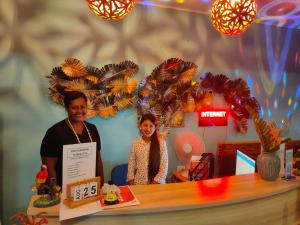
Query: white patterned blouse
[[139, 160]]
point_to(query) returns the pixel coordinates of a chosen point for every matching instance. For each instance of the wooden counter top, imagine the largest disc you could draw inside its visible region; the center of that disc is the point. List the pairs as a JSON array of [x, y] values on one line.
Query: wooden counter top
[[195, 195]]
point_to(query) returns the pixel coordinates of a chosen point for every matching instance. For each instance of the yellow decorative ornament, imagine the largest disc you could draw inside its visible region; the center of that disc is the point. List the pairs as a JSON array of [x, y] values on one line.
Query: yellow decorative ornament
[[73, 67], [232, 17], [190, 105], [111, 9]]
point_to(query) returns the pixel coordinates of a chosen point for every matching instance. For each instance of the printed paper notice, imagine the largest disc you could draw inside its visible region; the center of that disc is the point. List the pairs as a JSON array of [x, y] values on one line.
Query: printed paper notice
[[79, 163]]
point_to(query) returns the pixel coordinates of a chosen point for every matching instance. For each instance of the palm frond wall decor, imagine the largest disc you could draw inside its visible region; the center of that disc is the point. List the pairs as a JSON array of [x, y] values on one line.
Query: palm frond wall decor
[[168, 92], [236, 94], [109, 89]]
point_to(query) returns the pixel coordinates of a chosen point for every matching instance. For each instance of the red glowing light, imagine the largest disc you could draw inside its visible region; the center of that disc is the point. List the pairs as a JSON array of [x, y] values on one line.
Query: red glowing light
[[214, 117], [213, 187]]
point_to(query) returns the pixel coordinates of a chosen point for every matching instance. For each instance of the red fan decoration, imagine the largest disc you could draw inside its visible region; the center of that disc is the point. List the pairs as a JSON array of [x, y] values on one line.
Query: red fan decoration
[[232, 17], [237, 94], [111, 9]]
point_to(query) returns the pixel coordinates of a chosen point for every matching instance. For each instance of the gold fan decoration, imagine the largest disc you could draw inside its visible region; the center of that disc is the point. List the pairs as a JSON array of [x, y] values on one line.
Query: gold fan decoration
[[268, 133], [109, 89], [232, 17], [73, 68], [168, 92], [111, 9], [236, 94]]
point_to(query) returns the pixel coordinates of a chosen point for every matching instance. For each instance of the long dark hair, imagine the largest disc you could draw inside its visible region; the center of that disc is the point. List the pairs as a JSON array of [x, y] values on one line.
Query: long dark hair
[[154, 153]]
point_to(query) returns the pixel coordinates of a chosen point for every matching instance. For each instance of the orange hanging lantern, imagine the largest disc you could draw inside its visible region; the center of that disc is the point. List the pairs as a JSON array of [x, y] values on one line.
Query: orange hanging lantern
[[111, 9], [232, 17]]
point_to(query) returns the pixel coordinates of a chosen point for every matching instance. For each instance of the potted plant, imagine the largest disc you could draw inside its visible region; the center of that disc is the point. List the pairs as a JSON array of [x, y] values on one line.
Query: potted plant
[[268, 162]]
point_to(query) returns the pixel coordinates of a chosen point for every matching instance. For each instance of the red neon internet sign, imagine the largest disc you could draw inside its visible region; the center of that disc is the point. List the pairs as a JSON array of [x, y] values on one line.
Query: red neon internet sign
[[213, 117]]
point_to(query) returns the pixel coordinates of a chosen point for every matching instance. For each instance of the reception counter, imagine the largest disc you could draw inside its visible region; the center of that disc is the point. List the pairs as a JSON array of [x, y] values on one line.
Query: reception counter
[[244, 199]]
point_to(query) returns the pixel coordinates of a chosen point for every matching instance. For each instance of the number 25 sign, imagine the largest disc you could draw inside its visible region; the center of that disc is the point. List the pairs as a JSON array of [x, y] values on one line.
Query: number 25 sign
[[82, 192]]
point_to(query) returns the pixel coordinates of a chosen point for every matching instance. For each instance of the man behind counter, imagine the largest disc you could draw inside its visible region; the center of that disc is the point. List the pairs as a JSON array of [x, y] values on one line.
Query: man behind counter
[[72, 130]]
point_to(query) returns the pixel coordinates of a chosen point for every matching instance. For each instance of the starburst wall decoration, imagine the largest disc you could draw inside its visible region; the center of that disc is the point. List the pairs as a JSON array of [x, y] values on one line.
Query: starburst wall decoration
[[170, 91], [232, 17], [111, 9], [237, 94], [108, 90]]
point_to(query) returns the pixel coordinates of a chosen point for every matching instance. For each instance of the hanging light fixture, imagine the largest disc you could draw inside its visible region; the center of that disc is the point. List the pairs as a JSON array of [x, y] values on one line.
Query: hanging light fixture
[[232, 17], [111, 9]]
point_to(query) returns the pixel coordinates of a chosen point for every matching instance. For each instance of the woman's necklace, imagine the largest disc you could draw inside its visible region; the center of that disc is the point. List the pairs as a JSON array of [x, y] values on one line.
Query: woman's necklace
[[70, 125]]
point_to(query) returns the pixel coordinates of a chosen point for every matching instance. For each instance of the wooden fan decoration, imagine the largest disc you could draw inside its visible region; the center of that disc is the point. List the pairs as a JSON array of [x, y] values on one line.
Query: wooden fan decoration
[[108, 90], [73, 68], [111, 9], [232, 17], [237, 94], [93, 74], [163, 91]]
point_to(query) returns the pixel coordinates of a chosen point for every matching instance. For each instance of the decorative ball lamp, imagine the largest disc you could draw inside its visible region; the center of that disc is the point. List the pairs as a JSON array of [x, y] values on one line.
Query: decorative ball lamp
[[232, 17], [111, 9]]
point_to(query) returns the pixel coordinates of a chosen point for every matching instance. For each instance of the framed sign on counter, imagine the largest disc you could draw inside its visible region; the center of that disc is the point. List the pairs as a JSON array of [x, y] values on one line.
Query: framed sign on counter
[[82, 192], [79, 163]]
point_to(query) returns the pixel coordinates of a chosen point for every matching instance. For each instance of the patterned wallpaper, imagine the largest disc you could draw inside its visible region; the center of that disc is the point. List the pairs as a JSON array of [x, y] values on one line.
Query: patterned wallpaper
[[36, 35]]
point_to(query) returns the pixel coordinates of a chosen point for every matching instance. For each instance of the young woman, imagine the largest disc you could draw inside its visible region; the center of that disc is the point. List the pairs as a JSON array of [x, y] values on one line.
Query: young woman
[[148, 159], [72, 130]]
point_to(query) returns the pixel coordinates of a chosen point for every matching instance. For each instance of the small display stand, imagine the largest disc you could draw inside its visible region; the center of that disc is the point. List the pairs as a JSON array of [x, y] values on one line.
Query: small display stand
[[288, 174], [82, 192]]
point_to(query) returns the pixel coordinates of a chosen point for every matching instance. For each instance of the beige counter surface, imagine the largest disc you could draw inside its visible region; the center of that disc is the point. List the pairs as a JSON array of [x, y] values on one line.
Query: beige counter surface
[[214, 200]]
